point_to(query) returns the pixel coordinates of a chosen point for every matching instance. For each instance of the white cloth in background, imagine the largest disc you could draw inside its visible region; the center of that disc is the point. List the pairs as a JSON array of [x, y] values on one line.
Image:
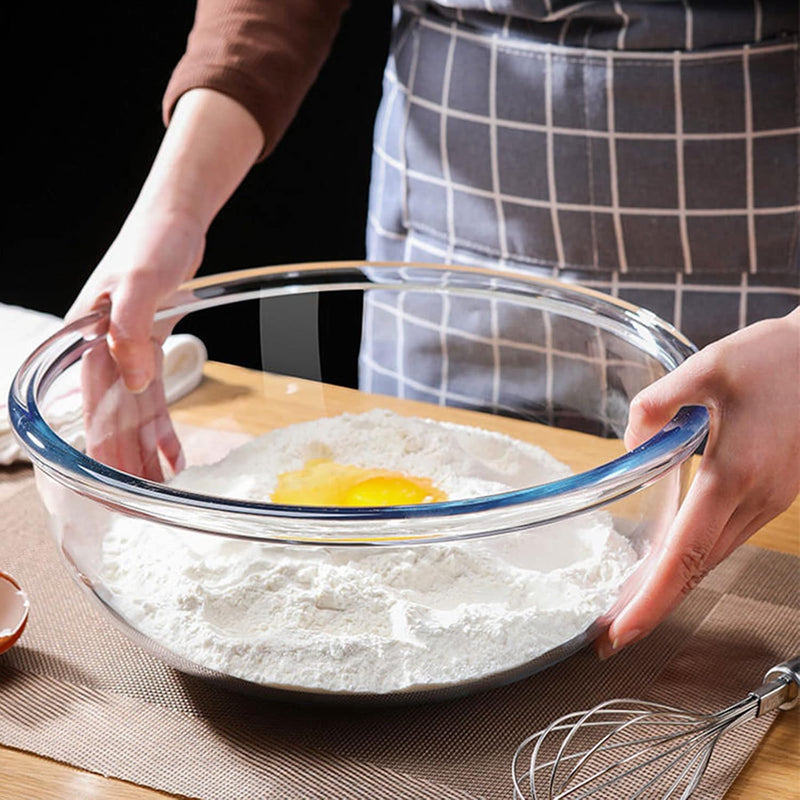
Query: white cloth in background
[[22, 330]]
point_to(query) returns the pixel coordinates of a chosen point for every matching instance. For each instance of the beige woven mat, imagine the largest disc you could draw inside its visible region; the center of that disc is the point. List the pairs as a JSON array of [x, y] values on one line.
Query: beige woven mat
[[74, 689]]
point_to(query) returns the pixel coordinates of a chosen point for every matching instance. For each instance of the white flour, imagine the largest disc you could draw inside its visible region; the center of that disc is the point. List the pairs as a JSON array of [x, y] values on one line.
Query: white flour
[[369, 619]]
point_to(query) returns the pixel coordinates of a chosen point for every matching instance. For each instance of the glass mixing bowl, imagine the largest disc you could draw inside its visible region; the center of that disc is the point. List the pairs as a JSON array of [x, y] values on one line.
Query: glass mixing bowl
[[402, 597]]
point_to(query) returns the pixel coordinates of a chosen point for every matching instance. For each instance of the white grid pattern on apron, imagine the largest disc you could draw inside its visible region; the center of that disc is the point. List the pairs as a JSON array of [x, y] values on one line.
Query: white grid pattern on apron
[[397, 321], [429, 204], [447, 113]]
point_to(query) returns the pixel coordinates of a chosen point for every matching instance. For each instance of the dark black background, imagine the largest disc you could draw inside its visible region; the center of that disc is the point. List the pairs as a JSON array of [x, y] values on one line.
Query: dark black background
[[82, 124]]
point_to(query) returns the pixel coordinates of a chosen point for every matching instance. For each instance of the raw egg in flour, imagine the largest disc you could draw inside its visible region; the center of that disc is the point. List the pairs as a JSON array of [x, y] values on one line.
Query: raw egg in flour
[[322, 482]]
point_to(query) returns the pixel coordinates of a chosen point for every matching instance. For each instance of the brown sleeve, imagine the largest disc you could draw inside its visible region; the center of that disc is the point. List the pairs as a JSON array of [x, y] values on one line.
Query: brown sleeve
[[265, 54]]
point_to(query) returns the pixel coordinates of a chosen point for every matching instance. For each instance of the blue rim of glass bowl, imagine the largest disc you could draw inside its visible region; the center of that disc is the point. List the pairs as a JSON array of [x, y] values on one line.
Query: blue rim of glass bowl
[[671, 446]]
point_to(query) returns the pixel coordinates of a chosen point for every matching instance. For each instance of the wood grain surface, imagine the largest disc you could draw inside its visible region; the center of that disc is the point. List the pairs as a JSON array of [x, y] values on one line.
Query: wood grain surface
[[226, 396]]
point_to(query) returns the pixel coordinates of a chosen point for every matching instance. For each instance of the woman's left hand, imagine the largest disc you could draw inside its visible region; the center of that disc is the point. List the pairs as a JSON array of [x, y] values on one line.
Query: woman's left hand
[[749, 473]]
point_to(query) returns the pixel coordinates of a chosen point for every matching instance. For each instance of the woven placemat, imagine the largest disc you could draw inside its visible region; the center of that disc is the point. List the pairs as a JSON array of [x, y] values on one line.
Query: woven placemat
[[76, 690]]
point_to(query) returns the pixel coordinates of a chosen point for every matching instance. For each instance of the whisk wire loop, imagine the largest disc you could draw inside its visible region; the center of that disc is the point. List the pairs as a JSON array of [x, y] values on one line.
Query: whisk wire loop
[[702, 746], [677, 757], [597, 747], [680, 749]]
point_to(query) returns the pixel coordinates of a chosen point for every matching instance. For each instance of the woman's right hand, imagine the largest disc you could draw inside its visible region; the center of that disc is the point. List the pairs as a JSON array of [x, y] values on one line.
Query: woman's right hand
[[211, 143], [152, 255], [126, 420]]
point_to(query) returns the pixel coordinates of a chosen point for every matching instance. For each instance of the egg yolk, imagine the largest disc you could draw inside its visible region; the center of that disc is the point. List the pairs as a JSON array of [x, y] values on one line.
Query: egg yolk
[[322, 482]]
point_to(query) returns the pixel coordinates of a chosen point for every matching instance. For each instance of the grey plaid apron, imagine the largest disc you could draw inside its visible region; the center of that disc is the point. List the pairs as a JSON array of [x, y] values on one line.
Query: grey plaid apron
[[648, 150]]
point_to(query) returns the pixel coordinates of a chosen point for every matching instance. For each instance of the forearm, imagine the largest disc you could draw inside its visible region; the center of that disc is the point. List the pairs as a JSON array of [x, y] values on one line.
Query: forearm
[[210, 145]]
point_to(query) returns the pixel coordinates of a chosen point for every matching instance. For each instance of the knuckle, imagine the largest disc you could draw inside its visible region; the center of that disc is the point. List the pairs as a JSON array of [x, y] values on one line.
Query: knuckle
[[642, 413], [641, 406], [716, 382], [120, 341], [693, 567], [742, 477]]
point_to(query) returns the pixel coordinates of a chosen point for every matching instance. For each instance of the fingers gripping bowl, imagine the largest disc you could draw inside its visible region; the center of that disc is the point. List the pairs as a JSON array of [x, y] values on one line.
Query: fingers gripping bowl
[[405, 482]]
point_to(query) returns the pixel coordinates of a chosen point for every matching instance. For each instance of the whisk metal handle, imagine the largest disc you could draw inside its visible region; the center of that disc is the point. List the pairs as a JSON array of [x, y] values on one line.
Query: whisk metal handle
[[781, 687]]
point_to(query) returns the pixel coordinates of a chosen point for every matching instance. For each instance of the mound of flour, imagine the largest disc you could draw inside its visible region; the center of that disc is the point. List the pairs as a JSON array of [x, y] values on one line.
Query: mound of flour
[[371, 619]]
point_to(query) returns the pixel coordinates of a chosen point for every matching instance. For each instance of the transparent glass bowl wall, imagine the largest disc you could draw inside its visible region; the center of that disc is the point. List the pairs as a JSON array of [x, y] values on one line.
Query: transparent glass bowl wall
[[446, 343]]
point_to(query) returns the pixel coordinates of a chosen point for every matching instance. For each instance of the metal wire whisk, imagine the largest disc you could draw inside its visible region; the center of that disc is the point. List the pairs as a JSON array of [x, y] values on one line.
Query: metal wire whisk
[[635, 749]]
